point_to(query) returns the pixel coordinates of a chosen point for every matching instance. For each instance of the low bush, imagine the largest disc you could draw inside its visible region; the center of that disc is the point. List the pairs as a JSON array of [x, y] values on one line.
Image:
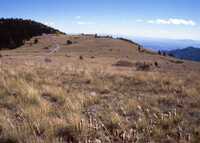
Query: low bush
[[81, 57], [36, 41], [69, 42], [143, 66]]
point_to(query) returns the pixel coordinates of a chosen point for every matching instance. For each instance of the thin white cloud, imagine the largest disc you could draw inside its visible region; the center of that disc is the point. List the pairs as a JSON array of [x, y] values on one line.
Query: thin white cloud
[[78, 17], [85, 23], [172, 21]]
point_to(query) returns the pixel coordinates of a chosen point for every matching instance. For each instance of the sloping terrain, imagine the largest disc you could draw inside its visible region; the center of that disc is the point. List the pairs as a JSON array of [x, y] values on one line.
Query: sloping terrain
[[13, 32], [83, 88]]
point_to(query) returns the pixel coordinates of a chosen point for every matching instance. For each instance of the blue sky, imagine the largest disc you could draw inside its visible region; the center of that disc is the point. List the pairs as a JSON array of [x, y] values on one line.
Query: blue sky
[[177, 19]]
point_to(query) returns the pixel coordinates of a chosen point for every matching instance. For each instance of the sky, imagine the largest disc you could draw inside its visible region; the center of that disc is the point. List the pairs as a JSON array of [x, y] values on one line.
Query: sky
[[173, 19]]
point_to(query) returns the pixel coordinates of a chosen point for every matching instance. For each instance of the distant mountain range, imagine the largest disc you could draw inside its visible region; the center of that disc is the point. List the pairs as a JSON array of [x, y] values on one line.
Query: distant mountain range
[[177, 48], [162, 44], [190, 53], [13, 32]]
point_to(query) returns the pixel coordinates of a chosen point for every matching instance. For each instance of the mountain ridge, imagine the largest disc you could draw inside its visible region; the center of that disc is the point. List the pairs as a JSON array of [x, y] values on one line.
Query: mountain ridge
[[163, 44], [14, 31], [189, 53]]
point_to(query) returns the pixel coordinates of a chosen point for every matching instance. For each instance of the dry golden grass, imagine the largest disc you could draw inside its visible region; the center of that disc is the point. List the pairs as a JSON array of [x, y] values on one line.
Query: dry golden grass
[[74, 103]]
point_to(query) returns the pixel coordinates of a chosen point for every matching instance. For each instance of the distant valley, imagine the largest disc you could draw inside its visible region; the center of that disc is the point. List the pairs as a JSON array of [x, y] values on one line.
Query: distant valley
[[181, 49], [157, 44]]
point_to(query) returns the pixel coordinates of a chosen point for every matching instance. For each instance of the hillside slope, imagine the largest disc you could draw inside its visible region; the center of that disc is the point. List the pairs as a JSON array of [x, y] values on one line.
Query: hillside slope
[[98, 90], [13, 32]]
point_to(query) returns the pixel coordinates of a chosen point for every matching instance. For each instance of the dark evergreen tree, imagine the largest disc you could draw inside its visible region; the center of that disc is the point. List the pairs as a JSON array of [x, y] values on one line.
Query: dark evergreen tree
[[13, 32]]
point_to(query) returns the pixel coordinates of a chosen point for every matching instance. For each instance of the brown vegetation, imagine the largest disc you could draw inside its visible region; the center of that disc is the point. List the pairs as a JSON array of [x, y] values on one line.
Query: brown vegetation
[[69, 42], [123, 63], [143, 66], [58, 106], [52, 98]]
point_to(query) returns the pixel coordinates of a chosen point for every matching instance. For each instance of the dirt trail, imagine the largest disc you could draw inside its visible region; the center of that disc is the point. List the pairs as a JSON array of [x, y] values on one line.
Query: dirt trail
[[56, 45], [56, 49]]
